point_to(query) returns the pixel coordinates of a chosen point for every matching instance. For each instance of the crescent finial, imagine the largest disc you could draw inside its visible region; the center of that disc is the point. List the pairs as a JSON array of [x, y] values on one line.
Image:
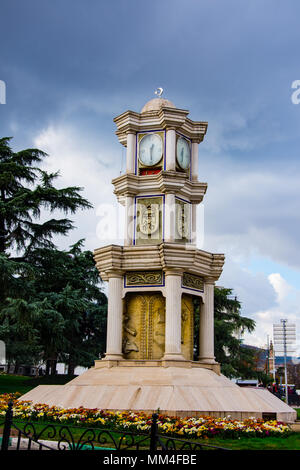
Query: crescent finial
[[159, 91]]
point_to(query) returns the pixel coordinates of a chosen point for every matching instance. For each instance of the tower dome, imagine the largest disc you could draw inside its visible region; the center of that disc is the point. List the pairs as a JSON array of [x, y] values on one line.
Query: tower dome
[[156, 104]]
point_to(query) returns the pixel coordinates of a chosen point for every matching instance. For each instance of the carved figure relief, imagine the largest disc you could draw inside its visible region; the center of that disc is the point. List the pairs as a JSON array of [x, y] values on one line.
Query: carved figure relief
[[144, 326], [187, 325], [157, 313], [128, 337]]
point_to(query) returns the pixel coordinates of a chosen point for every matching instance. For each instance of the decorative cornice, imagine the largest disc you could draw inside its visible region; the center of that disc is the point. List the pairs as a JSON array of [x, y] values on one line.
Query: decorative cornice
[[163, 182], [164, 118], [165, 256]]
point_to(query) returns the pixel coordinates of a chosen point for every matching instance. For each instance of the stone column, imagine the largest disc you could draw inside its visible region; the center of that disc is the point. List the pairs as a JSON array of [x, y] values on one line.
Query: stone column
[[206, 333], [129, 220], [195, 160], [170, 149], [194, 224], [173, 316], [169, 235], [114, 317], [130, 153]]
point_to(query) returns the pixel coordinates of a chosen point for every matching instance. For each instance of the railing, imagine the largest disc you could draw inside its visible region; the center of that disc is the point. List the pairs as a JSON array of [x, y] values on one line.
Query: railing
[[62, 437]]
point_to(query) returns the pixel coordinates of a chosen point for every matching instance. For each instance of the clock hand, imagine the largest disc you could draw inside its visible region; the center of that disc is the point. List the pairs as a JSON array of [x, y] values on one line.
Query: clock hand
[[151, 151], [182, 155]]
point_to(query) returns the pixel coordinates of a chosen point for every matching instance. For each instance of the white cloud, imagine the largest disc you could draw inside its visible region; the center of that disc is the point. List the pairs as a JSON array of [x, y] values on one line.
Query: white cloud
[[80, 163], [281, 287], [287, 306], [251, 212]]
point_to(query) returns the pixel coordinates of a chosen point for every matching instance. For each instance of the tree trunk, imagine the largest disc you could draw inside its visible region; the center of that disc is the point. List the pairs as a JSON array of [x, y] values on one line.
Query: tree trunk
[[71, 366], [53, 366], [2, 227], [48, 363]]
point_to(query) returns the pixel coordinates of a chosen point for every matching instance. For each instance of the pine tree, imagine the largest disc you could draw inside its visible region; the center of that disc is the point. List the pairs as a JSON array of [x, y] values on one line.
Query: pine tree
[[236, 359], [69, 282], [51, 306], [25, 190]]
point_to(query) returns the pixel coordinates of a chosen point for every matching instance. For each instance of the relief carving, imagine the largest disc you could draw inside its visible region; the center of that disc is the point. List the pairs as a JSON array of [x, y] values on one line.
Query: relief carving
[[193, 282], [144, 278], [144, 326], [187, 327]]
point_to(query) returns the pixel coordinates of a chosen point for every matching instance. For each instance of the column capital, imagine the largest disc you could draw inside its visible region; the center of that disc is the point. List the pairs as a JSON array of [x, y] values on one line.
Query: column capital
[[172, 192], [209, 281], [115, 274], [173, 272], [130, 131]]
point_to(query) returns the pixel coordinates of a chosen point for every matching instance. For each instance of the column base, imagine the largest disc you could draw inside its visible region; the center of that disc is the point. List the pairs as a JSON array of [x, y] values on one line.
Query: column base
[[113, 357], [207, 360], [173, 357]]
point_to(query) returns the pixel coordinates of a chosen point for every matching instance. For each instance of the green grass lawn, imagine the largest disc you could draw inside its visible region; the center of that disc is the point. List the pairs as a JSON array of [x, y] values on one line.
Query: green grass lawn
[[255, 443], [22, 384]]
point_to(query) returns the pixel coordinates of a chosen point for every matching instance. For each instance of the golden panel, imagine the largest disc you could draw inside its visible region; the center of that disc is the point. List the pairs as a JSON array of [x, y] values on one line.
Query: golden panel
[[187, 327], [144, 326], [183, 221], [149, 220]]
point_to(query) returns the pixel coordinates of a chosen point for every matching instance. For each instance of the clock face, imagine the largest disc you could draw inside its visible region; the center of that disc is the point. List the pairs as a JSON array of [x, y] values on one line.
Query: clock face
[[150, 149], [183, 153]]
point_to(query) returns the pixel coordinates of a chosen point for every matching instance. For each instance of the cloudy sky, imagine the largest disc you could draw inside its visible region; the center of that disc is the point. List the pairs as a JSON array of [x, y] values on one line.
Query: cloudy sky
[[71, 66]]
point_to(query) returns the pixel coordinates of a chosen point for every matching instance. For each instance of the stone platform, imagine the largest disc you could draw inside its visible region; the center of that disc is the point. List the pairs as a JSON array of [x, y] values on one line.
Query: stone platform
[[181, 389]]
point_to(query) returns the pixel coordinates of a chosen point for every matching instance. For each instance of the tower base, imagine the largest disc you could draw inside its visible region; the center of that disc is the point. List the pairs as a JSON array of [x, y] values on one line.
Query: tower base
[[182, 388]]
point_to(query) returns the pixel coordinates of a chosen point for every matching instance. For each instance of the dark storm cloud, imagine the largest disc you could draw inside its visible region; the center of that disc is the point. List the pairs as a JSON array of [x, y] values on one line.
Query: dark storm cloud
[[70, 66], [211, 56]]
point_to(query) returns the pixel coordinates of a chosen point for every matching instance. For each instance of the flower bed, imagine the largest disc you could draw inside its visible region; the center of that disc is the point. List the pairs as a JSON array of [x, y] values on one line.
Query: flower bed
[[190, 427]]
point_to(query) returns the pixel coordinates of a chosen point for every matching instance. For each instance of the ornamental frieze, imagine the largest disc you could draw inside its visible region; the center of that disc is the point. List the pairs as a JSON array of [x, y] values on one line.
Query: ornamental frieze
[[191, 281], [144, 278]]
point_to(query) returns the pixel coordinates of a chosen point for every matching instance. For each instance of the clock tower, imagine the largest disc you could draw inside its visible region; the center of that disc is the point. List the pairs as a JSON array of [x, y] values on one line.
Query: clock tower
[[159, 282], [158, 277]]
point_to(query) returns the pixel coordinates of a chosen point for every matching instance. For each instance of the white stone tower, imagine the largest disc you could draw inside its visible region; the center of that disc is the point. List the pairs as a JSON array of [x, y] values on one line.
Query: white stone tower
[[160, 191], [155, 279]]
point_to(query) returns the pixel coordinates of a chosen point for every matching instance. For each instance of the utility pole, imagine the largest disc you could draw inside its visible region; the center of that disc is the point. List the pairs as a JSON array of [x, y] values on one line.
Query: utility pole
[[284, 338], [285, 369], [268, 356]]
